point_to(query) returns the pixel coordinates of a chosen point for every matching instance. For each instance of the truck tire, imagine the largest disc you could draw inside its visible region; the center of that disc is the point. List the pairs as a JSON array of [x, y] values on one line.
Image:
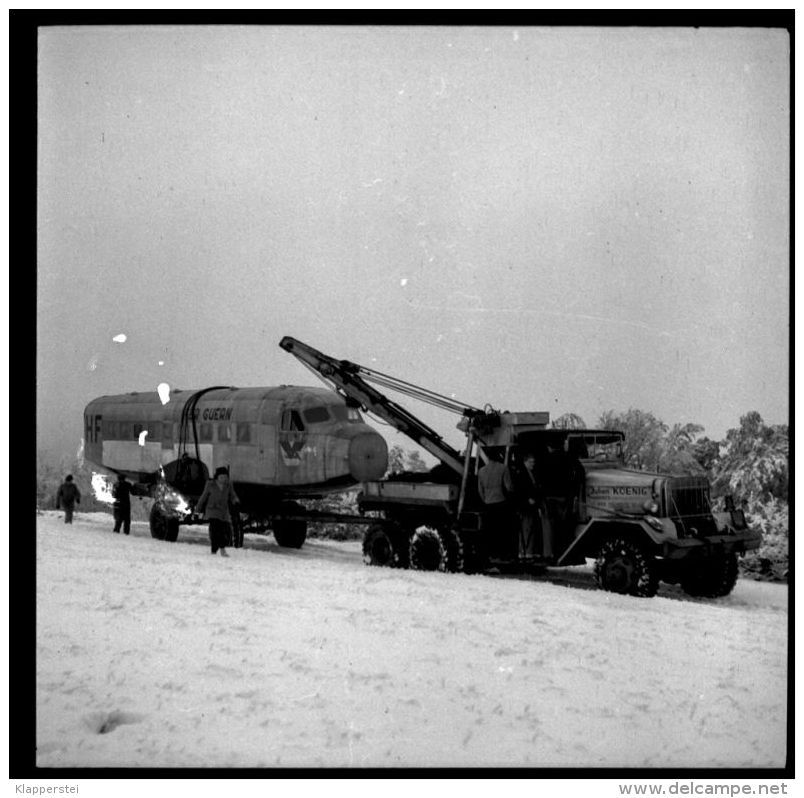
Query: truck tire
[[711, 577], [290, 534], [453, 549], [237, 530], [382, 548], [623, 566], [427, 551], [163, 525]]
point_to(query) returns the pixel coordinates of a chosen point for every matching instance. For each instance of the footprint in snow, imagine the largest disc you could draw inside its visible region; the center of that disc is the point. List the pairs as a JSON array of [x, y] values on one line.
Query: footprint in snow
[[105, 722]]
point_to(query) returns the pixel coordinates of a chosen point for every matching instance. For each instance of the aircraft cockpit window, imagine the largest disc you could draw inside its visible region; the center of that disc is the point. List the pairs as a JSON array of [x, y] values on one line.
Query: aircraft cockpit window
[[291, 421], [316, 415], [350, 414]]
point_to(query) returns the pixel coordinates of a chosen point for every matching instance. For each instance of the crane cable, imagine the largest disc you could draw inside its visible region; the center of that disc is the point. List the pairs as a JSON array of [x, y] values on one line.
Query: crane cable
[[401, 386], [188, 414], [416, 391]]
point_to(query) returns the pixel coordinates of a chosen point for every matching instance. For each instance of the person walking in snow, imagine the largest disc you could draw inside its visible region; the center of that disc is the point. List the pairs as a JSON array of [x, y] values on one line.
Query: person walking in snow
[[214, 504], [122, 504], [67, 497]]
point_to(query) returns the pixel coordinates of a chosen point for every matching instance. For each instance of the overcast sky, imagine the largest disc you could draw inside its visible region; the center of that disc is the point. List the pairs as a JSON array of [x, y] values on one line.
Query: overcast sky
[[562, 219]]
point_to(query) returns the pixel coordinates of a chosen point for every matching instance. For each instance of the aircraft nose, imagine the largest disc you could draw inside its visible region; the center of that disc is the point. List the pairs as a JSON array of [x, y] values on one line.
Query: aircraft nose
[[368, 456]]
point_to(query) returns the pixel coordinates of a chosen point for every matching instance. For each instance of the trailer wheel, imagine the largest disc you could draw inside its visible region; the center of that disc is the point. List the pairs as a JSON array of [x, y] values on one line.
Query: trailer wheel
[[623, 566], [163, 525], [379, 547], [711, 577], [427, 551], [290, 534]]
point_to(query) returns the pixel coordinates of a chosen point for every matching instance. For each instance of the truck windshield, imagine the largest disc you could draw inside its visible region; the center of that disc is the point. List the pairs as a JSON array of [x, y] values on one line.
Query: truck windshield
[[600, 448]]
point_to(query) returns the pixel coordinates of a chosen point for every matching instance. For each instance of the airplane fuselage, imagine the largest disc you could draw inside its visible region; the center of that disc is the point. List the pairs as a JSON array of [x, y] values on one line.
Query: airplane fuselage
[[276, 441]]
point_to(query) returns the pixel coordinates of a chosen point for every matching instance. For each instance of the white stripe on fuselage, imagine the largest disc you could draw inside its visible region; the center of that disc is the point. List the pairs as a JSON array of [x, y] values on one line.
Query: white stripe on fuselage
[[130, 456]]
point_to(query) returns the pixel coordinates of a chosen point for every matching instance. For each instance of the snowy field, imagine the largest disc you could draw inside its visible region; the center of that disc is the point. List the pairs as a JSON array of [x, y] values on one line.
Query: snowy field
[[152, 654]]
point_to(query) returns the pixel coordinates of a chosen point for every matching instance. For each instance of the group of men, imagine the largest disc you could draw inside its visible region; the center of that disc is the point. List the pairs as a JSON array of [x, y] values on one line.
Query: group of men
[[69, 495], [216, 503], [517, 520]]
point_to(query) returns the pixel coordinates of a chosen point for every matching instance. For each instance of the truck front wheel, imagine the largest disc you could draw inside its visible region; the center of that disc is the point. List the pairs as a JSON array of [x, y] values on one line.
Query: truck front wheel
[[623, 566], [711, 577], [163, 525]]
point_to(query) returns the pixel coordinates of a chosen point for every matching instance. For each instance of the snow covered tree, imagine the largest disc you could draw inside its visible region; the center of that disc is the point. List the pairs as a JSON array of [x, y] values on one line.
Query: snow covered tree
[[706, 453], [400, 460], [754, 465], [650, 445], [644, 437], [754, 469], [678, 453], [568, 421]]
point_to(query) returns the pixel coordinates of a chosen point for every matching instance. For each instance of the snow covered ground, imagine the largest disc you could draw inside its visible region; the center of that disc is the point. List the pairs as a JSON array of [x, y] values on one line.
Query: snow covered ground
[[153, 654]]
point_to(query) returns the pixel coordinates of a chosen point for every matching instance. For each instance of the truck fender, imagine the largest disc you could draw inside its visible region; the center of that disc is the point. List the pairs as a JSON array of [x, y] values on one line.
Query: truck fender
[[588, 539]]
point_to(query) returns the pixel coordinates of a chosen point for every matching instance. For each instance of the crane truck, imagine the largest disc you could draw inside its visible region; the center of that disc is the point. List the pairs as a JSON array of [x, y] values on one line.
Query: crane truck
[[639, 527]]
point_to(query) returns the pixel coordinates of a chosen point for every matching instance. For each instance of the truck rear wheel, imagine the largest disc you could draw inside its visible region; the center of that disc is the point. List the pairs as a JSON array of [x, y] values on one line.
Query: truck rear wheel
[[711, 577], [163, 525], [290, 534], [453, 549], [381, 547], [623, 566], [427, 551]]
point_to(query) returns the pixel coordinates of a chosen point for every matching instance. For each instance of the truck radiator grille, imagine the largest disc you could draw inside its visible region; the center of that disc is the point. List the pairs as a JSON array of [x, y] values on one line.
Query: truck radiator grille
[[689, 507]]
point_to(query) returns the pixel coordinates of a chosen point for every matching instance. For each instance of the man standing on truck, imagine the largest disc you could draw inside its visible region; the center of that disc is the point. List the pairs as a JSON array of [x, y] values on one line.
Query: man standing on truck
[[496, 488], [534, 537], [563, 479]]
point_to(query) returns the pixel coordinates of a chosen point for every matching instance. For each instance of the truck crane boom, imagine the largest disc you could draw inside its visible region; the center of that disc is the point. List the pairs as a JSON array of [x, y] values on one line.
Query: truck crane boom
[[352, 381]]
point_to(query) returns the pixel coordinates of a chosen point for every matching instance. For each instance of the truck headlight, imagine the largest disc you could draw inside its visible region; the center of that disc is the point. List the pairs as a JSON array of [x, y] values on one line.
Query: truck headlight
[[650, 506], [655, 523]]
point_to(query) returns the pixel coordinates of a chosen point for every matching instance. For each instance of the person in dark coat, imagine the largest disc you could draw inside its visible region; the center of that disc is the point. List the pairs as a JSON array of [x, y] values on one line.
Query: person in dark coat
[[122, 504], [67, 497], [214, 504], [534, 533], [564, 479]]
